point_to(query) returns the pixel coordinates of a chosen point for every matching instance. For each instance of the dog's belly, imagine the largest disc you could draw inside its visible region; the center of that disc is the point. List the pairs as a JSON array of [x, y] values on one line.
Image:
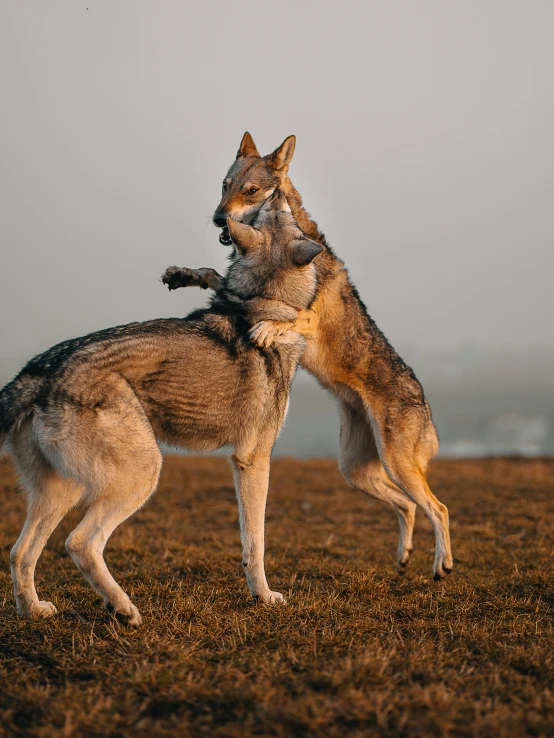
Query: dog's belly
[[203, 404], [191, 401], [190, 423]]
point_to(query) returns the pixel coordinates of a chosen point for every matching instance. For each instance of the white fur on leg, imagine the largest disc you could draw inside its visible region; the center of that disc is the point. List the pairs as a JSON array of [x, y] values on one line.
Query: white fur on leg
[[251, 484], [50, 497], [114, 504]]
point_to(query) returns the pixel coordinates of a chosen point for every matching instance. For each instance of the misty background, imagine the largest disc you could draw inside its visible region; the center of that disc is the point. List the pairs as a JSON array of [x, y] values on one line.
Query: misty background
[[424, 151]]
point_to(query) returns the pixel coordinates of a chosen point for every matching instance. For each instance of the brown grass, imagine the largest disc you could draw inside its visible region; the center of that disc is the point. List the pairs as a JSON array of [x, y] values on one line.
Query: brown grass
[[357, 651]]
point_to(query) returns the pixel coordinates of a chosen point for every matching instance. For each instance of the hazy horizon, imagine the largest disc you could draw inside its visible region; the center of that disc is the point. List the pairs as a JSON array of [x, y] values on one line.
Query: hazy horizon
[[424, 151]]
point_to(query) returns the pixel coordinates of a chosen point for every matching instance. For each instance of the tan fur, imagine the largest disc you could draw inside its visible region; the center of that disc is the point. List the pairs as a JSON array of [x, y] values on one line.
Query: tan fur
[[387, 434], [83, 420]]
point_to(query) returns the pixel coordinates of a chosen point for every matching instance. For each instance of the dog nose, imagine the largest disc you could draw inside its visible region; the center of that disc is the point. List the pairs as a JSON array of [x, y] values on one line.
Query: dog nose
[[219, 219]]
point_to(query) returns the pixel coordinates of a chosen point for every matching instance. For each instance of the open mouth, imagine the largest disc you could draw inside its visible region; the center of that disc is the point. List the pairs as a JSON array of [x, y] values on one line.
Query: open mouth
[[225, 237]]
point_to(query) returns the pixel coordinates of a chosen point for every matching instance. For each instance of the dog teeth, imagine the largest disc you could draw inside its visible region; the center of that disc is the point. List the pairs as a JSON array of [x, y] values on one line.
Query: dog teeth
[[224, 237]]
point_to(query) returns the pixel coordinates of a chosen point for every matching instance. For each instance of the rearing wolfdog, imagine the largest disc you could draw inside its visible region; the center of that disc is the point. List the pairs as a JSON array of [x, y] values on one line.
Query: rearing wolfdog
[[387, 434], [82, 419]]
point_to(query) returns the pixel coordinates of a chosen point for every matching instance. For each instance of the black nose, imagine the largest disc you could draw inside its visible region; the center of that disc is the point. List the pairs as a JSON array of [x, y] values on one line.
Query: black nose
[[220, 219]]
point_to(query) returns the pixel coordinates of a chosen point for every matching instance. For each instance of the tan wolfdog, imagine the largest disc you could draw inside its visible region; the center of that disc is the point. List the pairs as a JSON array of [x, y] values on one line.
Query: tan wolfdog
[[82, 420], [387, 433]]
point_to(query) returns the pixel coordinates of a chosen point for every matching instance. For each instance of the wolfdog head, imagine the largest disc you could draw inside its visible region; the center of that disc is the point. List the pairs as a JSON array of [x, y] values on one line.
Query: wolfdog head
[[273, 258], [250, 181]]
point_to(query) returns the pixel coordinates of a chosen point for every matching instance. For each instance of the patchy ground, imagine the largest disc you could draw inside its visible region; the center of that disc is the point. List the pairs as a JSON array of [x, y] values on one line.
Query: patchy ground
[[357, 651]]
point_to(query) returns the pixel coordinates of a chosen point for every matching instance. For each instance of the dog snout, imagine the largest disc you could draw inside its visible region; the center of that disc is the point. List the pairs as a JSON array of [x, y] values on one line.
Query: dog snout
[[220, 218]]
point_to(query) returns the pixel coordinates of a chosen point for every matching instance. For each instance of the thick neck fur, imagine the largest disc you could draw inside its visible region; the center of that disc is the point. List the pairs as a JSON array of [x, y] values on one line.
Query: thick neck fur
[[307, 225], [267, 270], [327, 263]]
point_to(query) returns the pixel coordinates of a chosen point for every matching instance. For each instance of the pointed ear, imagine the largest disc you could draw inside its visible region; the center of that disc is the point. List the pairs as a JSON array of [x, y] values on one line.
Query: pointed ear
[[281, 157], [243, 236], [304, 251], [276, 201], [247, 147]]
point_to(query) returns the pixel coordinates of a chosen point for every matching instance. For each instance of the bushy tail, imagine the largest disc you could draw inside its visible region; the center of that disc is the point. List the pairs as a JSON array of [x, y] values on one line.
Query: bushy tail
[[16, 402]]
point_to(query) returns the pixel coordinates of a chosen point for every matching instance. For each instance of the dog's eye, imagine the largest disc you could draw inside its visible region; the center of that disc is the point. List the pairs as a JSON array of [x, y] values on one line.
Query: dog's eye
[[253, 190], [224, 186]]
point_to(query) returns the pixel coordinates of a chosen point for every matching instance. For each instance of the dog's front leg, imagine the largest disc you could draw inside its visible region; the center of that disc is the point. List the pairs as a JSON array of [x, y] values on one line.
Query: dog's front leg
[[251, 484], [175, 277]]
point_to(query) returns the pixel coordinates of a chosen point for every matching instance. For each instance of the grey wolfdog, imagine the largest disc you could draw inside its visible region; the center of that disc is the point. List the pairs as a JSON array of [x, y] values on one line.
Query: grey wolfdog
[[82, 420], [387, 433]]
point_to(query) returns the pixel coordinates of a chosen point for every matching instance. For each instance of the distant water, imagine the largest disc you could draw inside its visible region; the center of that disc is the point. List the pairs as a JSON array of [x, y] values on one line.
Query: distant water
[[470, 422]]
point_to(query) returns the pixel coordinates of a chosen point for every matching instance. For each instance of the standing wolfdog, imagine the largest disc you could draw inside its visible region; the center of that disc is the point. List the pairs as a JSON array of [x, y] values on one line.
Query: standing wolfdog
[[387, 434], [82, 420]]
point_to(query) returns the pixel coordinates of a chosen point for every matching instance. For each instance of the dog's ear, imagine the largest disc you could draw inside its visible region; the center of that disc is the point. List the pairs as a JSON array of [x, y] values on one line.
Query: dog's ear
[[276, 201], [281, 157], [247, 147], [243, 236], [304, 251]]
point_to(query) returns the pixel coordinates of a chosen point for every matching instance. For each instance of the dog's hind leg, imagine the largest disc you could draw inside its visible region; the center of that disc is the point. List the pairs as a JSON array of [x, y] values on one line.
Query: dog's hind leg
[[413, 481], [123, 496], [251, 483], [360, 465], [405, 459], [114, 453], [50, 497]]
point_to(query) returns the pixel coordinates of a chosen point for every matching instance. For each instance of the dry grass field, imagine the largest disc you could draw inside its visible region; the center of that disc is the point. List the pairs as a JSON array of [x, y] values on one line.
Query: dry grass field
[[356, 651]]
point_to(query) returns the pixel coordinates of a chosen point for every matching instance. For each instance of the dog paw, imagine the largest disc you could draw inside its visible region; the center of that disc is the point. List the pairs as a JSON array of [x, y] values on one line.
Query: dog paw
[[264, 333], [126, 613], [270, 598], [134, 618], [175, 277], [404, 560], [441, 572], [42, 610]]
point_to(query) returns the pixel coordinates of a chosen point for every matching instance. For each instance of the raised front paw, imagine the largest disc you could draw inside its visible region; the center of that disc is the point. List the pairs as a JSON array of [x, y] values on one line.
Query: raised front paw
[[175, 277], [265, 332]]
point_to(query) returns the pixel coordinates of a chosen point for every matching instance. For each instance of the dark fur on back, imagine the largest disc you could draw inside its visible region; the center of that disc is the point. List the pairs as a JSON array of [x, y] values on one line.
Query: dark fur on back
[[83, 420], [208, 352]]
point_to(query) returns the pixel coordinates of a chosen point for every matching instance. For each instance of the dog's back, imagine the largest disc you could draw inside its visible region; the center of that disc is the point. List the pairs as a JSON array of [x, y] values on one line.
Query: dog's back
[[199, 380], [83, 420]]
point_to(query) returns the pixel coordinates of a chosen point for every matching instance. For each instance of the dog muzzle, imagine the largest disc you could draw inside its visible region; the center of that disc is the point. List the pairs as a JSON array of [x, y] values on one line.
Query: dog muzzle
[[225, 237]]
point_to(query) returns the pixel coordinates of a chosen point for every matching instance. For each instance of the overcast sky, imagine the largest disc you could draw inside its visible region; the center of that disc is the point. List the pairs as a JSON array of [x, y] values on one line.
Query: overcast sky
[[425, 151]]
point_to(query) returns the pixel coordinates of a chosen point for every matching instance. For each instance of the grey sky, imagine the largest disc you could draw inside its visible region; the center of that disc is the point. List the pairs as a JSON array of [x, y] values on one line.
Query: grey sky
[[425, 151]]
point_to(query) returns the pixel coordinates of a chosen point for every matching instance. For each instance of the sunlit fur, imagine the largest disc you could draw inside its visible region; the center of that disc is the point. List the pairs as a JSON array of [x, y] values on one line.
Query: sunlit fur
[[387, 433], [82, 421]]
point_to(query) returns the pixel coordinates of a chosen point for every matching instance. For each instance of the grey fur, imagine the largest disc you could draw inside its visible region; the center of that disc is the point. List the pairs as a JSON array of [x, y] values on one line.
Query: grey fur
[[387, 432], [83, 420]]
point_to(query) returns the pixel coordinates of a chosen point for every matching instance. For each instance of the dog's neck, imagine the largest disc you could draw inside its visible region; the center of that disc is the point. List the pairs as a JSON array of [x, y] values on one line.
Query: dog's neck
[[307, 225]]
